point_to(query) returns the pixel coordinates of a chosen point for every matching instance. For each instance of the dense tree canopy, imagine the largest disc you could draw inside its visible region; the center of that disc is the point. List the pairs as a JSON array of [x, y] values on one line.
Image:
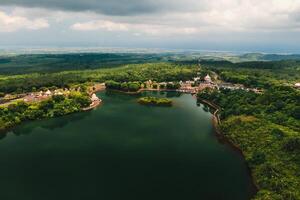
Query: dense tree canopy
[[53, 107], [266, 127], [131, 73]]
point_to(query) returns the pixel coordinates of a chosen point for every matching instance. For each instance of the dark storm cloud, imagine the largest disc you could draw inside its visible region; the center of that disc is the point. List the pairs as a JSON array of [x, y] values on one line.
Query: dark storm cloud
[[107, 7]]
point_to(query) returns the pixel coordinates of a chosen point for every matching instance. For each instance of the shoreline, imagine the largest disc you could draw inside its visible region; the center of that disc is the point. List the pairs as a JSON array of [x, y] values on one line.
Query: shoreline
[[224, 140], [215, 121], [94, 104]]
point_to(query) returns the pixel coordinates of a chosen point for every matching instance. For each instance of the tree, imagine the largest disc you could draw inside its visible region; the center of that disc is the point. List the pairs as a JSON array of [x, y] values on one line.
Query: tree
[[277, 133], [257, 158], [296, 112], [292, 144], [124, 86], [134, 86], [58, 98], [112, 85]]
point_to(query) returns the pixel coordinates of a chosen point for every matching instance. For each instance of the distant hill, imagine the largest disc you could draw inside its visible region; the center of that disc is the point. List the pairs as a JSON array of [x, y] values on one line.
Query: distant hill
[[28, 63], [44, 63], [268, 57]]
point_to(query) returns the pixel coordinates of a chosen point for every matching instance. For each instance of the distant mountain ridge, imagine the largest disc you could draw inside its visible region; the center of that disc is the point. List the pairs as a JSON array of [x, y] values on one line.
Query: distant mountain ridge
[[55, 62], [270, 57]]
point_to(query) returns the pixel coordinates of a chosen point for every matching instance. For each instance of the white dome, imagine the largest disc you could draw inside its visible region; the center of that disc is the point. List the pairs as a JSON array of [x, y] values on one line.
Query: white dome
[[94, 97], [48, 92]]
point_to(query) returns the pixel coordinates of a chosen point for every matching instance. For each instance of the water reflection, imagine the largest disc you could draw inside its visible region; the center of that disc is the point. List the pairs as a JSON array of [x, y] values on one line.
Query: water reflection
[[48, 124], [2, 135], [173, 94], [205, 108]]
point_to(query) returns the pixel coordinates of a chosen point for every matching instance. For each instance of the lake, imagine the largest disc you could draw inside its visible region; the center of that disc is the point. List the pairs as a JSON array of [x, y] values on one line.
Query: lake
[[123, 150]]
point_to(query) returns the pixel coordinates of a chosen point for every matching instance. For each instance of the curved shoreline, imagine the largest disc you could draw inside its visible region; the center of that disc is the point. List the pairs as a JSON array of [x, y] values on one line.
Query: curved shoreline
[[222, 138], [94, 104], [215, 121]]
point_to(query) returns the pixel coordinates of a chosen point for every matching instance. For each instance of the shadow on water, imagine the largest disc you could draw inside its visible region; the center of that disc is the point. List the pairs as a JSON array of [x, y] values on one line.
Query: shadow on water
[[206, 108], [49, 124], [123, 95], [2, 135], [173, 94]]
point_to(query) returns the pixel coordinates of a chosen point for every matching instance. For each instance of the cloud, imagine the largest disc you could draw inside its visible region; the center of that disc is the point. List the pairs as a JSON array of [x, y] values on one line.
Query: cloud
[[234, 15], [107, 7], [98, 25], [134, 28], [10, 23], [129, 21]]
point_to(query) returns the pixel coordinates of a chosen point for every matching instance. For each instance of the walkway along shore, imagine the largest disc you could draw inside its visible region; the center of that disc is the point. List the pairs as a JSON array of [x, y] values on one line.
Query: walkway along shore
[[216, 112], [93, 105], [223, 139]]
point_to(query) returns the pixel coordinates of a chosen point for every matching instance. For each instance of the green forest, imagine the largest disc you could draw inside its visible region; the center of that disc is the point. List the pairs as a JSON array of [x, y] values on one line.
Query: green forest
[[56, 106], [266, 127], [128, 73]]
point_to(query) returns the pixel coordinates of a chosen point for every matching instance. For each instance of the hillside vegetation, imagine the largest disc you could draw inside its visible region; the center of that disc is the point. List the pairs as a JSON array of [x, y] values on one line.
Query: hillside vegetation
[[128, 73], [266, 126]]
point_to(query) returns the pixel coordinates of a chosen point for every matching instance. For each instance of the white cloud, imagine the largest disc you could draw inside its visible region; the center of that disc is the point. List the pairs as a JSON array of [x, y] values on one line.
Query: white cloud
[[134, 28], [215, 16], [10, 23], [100, 25], [206, 16], [247, 21]]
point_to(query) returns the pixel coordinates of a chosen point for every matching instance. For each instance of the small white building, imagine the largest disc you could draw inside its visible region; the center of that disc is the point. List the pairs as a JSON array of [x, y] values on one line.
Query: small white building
[[297, 85], [40, 94], [197, 79], [94, 97], [190, 82], [48, 93]]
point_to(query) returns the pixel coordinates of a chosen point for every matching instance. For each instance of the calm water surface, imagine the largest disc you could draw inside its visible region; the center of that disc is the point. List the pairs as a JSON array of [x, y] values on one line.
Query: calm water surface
[[122, 150]]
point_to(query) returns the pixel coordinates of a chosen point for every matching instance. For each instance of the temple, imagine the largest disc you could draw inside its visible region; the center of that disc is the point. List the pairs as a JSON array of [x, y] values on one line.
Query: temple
[[207, 79]]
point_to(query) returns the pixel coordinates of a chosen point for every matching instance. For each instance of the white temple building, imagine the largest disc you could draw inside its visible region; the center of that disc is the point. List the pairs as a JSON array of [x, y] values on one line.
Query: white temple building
[[48, 93], [207, 79], [94, 97]]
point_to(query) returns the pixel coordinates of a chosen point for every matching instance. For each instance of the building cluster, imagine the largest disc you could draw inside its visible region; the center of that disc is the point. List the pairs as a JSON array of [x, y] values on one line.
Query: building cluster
[[43, 95], [150, 84], [207, 83], [198, 84]]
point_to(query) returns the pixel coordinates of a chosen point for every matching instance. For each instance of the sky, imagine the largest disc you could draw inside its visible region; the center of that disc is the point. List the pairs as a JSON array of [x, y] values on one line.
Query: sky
[[223, 25]]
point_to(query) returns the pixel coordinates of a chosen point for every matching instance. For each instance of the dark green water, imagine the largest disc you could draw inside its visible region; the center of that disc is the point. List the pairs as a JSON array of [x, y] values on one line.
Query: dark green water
[[122, 150]]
